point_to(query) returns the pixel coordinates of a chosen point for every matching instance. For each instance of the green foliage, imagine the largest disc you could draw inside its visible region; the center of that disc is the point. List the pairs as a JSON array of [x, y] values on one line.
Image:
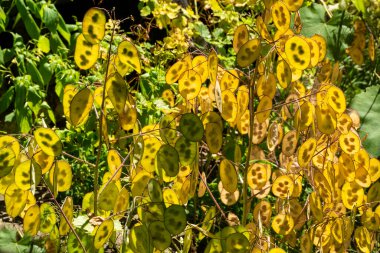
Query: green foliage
[[367, 103], [12, 242]]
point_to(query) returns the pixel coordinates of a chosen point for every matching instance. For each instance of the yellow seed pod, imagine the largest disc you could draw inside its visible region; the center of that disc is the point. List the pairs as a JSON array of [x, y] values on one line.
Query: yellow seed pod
[[374, 169], [316, 205], [280, 16], [200, 65], [266, 86], [117, 91], [121, 203], [93, 25], [227, 197], [248, 53], [363, 239], [283, 224], [85, 54], [347, 167], [168, 132], [48, 141], [322, 46], [67, 209], [322, 186], [103, 233], [262, 29], [283, 187], [228, 175], [167, 161], [257, 175], [168, 96], [128, 54], [359, 41], [336, 99], [170, 197], [321, 234], [304, 116], [212, 66], [48, 218], [293, 5], [361, 159], [214, 137], [362, 177], [305, 243], [14, 208], [356, 55], [139, 183], [32, 220], [151, 147], [229, 106], [237, 242], [263, 109], [306, 152], [314, 52], [352, 195], [344, 123], [7, 161], [175, 71], [283, 73], [114, 163], [242, 99], [108, 195], [289, 143], [80, 107], [241, 36], [349, 143], [68, 94], [297, 51], [7, 180], [7, 141], [190, 84], [27, 175], [242, 122], [230, 80], [326, 119], [262, 213], [61, 175], [259, 131], [275, 135], [128, 117]]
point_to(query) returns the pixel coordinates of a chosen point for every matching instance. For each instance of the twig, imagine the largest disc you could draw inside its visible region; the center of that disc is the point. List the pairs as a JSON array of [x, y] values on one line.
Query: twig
[[64, 216]]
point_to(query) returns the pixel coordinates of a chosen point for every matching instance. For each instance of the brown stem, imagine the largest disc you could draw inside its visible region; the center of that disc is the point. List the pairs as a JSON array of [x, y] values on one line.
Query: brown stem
[[64, 216]]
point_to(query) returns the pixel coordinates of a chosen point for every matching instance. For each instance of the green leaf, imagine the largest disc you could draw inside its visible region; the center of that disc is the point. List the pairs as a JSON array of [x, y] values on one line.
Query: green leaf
[[314, 22], [202, 30], [43, 44], [6, 99], [359, 4], [31, 68], [3, 20], [11, 242], [31, 27], [367, 104], [50, 17]]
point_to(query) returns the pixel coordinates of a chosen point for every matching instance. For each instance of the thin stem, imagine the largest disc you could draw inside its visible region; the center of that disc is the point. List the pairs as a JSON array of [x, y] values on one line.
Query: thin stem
[[213, 198], [246, 201], [96, 179], [64, 216]]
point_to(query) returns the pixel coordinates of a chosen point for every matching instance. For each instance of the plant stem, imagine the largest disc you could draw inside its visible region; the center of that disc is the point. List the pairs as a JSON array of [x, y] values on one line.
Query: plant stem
[[96, 179], [246, 201], [64, 216]]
